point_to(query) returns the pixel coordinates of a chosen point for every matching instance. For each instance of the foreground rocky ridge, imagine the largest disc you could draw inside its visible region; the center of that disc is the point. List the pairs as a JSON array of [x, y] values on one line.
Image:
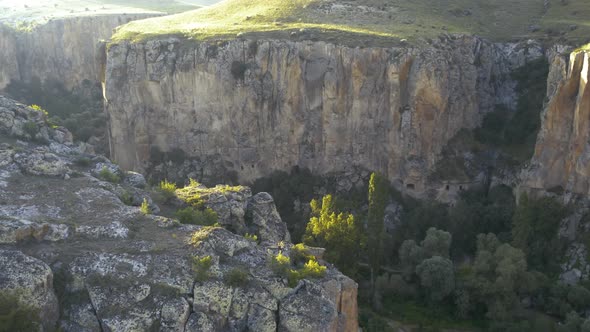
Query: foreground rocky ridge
[[67, 233], [251, 107]]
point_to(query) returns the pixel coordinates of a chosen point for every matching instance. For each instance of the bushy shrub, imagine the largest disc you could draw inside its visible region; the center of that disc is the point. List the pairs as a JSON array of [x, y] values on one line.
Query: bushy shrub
[[145, 207], [192, 216], [299, 254], [313, 269], [236, 277], [109, 176], [280, 264], [167, 189], [251, 237], [201, 266], [127, 198], [82, 161], [39, 109]]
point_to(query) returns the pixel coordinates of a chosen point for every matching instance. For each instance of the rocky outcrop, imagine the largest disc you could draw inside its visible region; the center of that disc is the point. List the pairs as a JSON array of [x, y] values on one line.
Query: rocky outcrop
[[251, 107], [562, 153], [65, 50], [114, 268], [32, 281]]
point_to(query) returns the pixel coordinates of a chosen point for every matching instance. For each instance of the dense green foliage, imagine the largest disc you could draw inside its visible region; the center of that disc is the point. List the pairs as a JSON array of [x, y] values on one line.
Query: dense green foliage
[[294, 270], [338, 232], [167, 189], [190, 215], [534, 230], [109, 176]]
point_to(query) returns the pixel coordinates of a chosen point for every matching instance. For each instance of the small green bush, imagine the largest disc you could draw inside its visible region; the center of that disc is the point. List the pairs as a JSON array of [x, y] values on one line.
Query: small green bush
[[251, 237], [167, 189], [299, 254], [192, 216], [39, 109], [236, 277], [15, 316], [313, 269], [201, 266], [280, 264], [82, 161], [127, 198], [145, 207], [109, 176]]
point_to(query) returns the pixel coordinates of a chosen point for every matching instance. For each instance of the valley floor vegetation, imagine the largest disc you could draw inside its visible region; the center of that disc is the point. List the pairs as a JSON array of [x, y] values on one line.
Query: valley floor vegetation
[[484, 263]]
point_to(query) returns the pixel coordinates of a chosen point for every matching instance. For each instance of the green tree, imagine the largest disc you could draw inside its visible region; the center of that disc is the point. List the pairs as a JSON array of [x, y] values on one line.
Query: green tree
[[497, 276], [338, 232], [437, 242], [378, 196], [535, 228], [436, 277], [410, 255]]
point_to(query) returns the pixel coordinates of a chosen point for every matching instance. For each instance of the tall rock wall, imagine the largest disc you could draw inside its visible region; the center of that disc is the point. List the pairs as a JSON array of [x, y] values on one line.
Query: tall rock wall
[[562, 153], [65, 50], [252, 107]]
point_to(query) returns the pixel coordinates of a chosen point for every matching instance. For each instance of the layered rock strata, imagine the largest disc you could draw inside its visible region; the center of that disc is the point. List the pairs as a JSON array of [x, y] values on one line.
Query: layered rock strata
[[251, 107]]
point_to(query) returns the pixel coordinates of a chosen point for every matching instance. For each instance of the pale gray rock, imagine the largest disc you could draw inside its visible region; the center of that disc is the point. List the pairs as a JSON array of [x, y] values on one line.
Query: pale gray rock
[[13, 231], [174, 315], [33, 280], [41, 163], [330, 106], [266, 220], [135, 179]]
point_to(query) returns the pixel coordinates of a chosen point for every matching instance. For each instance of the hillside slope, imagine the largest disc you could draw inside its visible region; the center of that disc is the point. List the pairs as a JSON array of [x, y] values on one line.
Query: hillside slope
[[350, 21]]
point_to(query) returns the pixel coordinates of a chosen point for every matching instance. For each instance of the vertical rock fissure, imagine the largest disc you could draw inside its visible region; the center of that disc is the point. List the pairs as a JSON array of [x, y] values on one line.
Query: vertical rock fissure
[[95, 311]]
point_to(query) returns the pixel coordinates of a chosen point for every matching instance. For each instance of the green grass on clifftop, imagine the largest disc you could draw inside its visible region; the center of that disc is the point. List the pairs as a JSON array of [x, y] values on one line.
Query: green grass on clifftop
[[351, 22]]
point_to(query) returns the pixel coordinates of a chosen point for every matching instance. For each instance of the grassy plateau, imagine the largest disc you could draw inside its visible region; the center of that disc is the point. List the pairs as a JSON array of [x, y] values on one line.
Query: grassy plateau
[[351, 22]]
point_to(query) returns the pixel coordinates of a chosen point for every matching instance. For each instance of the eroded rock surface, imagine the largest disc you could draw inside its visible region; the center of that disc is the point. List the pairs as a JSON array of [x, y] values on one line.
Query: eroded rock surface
[[251, 107], [32, 280], [562, 152], [115, 269]]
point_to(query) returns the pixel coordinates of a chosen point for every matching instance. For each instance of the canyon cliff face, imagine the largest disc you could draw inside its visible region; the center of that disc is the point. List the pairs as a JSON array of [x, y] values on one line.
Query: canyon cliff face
[[251, 107], [64, 50], [562, 153]]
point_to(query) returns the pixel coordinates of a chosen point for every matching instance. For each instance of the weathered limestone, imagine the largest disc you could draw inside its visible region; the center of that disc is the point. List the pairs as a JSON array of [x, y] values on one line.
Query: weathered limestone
[[251, 107], [118, 270], [562, 153], [32, 280], [65, 50]]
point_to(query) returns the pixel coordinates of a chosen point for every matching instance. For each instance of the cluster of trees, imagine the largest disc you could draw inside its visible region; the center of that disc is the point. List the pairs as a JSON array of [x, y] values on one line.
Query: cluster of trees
[[484, 259]]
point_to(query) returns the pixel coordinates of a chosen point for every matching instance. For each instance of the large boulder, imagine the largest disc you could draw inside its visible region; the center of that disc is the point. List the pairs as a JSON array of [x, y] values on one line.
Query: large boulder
[[266, 219], [32, 281]]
